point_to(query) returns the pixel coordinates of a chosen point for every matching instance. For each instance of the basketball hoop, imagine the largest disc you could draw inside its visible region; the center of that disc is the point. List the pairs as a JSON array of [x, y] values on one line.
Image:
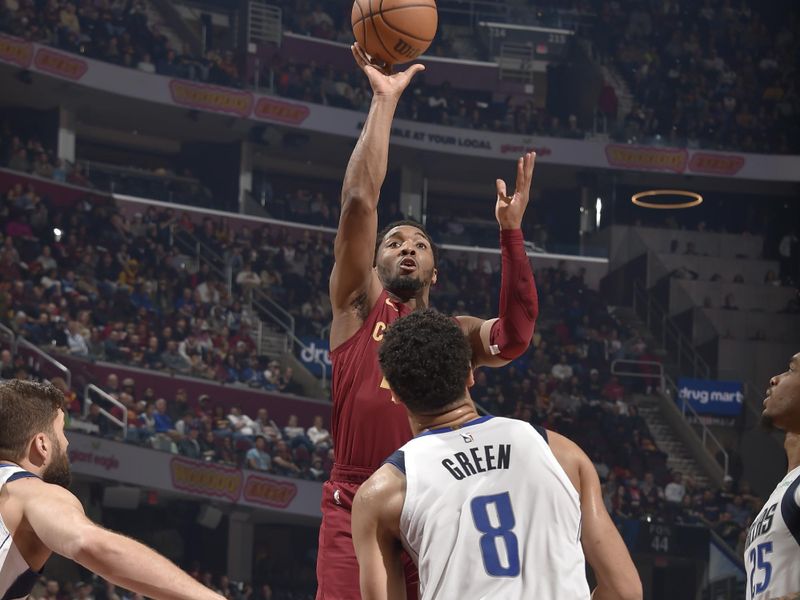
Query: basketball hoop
[[695, 199]]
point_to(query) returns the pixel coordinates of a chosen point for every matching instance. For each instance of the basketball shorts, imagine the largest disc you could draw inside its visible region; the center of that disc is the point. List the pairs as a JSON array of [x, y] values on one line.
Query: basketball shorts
[[337, 567]]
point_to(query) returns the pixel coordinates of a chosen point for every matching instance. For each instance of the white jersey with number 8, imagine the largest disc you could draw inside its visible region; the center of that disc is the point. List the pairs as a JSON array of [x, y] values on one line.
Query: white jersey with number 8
[[490, 513]]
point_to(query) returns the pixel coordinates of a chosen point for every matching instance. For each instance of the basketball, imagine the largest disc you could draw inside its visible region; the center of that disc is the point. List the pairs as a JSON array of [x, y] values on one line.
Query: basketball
[[394, 31]]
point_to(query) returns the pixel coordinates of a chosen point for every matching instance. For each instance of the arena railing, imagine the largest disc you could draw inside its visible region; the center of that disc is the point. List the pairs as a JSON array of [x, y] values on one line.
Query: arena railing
[[38, 356], [672, 339], [639, 374], [260, 302], [88, 402], [7, 337], [671, 391]]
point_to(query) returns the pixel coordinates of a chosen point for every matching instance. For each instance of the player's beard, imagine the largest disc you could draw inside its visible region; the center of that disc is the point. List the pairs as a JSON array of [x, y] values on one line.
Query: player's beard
[[404, 286], [58, 471], [767, 423]]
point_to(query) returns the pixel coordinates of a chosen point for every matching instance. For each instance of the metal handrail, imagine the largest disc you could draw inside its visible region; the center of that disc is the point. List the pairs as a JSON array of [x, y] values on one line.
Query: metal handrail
[[673, 388], [288, 322], [87, 403], [7, 332], [290, 333], [47, 358], [261, 303], [654, 311], [639, 374]]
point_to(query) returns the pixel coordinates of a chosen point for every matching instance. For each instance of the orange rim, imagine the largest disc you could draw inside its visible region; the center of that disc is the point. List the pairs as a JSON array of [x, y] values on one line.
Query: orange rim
[[695, 199]]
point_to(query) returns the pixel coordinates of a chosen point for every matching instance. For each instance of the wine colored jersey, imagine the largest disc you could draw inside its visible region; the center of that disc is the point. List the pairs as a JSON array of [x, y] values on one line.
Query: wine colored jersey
[[367, 426]]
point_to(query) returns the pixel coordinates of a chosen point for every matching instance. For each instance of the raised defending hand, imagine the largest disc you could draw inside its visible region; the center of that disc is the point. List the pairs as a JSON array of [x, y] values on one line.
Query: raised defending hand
[[383, 82], [509, 210]]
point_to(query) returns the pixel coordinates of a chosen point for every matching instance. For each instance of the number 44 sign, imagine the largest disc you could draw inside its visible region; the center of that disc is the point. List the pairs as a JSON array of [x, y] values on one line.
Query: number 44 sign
[[660, 536]]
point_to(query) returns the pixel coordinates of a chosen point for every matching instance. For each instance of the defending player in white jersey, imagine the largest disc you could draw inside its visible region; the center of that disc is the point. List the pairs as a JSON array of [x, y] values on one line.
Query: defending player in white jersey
[[772, 551], [39, 516], [488, 507]]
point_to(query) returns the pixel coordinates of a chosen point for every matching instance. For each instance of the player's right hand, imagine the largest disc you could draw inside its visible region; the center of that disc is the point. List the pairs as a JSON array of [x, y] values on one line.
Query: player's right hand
[[509, 210], [381, 78]]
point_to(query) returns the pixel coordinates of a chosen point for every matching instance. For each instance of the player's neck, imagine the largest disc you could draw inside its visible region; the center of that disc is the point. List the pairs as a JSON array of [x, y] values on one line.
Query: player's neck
[[417, 301], [792, 447], [452, 419]]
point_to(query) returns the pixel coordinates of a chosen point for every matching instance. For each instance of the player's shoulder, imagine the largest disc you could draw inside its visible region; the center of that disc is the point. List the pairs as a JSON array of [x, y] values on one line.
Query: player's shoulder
[[569, 455], [382, 495], [26, 487]]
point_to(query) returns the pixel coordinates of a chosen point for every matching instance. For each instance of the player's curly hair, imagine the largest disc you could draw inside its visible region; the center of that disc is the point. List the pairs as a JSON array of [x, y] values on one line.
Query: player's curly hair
[[410, 222], [26, 408], [426, 359]]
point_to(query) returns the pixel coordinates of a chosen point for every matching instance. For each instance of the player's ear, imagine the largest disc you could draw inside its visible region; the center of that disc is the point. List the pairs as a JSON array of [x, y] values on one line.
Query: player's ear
[[434, 277], [40, 448], [471, 378]]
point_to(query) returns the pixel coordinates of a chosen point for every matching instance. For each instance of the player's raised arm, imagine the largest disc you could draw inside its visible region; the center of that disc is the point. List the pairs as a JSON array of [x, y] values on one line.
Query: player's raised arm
[[497, 341], [354, 247], [376, 520], [58, 520]]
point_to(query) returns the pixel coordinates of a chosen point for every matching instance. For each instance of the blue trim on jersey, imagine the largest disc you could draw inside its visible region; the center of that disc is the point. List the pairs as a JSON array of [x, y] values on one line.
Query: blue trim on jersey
[[790, 511], [22, 586], [21, 475], [397, 460], [543, 432], [477, 421], [5, 540]]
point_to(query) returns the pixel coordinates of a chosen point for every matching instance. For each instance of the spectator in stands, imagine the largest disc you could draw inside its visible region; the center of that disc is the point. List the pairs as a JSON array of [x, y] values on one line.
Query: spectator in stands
[[561, 370], [241, 425], [163, 424], [319, 436], [189, 446], [266, 427], [284, 461], [728, 529], [209, 447], [296, 435], [257, 457], [75, 341], [675, 490], [172, 359]]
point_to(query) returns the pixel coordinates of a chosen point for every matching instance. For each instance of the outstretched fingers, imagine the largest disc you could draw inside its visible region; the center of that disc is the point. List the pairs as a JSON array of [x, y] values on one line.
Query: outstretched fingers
[[501, 191], [530, 163]]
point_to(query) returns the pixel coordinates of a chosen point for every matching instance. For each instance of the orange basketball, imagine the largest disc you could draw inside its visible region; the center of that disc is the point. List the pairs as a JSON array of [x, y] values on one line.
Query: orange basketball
[[394, 31]]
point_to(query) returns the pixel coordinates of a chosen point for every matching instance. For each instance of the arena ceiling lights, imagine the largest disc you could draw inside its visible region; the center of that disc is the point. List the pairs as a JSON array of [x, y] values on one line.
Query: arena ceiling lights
[[694, 199]]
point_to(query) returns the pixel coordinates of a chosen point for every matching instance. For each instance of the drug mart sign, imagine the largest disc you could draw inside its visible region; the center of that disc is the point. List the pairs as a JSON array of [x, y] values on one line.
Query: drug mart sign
[[709, 397]]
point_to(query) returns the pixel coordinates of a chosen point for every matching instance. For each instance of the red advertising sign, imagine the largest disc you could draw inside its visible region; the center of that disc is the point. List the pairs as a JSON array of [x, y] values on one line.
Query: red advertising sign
[[649, 159], [208, 97], [206, 479], [16, 51], [60, 64], [278, 110], [269, 492]]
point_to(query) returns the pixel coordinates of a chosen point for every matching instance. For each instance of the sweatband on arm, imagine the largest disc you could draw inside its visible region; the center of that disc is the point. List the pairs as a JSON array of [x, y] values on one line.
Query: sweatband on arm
[[519, 303]]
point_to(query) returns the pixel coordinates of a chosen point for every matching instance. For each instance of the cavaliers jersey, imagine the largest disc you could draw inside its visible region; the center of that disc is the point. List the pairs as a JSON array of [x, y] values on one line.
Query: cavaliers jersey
[[772, 551], [16, 578], [489, 513], [366, 425]]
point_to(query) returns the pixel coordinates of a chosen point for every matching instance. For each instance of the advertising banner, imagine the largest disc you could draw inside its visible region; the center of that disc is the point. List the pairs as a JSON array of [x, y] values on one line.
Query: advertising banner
[[315, 354], [143, 467], [257, 107], [709, 397]]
